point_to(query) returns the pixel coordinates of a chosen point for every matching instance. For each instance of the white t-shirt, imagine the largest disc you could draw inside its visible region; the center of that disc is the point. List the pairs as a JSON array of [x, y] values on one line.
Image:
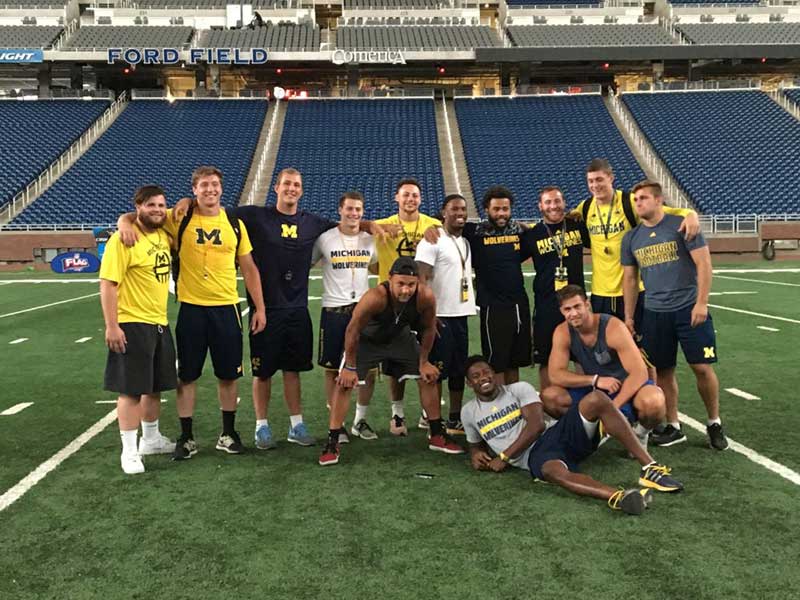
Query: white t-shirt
[[345, 260], [446, 259]]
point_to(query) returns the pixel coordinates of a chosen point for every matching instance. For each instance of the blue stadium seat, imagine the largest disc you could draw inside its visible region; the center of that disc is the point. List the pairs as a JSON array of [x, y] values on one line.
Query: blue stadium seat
[[35, 133], [363, 145], [526, 143], [732, 152], [154, 142]]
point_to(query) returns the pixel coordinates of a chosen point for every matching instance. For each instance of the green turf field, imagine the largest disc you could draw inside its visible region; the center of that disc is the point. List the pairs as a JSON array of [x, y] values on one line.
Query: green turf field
[[276, 525]]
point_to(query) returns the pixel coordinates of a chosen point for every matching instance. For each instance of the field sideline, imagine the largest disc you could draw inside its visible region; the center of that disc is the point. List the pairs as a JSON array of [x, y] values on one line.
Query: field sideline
[[275, 524]]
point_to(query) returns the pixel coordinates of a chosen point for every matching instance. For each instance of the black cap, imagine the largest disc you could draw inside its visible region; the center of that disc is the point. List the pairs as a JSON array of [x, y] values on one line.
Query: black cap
[[404, 265]]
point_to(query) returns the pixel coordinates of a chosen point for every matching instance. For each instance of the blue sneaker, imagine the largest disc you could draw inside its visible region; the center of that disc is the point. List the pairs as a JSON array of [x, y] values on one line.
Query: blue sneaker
[[299, 435], [264, 439]]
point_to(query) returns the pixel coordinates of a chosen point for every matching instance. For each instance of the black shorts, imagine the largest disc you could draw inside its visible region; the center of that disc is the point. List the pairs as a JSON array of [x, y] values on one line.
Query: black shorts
[[615, 305], [399, 356], [148, 365], [450, 351], [286, 344], [565, 441], [662, 331], [506, 336], [214, 328], [333, 322], [546, 317]]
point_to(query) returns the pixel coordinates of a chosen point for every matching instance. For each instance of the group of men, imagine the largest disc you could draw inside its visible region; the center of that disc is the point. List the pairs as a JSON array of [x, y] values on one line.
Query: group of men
[[414, 323]]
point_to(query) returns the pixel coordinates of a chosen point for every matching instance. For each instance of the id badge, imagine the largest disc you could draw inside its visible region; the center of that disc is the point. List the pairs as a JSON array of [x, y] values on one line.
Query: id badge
[[561, 278], [464, 290]]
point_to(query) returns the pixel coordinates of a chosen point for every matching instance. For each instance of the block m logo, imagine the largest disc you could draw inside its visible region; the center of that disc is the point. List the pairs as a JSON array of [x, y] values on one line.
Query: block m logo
[[288, 231], [708, 352], [212, 235]]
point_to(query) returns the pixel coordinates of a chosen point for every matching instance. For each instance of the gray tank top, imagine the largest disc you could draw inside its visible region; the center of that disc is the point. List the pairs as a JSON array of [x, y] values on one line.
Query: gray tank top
[[600, 359]]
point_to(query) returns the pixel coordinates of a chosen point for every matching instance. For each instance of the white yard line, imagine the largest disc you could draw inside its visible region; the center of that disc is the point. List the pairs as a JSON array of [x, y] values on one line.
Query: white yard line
[[754, 314], [758, 280], [16, 409], [19, 312], [82, 340], [4, 281], [742, 394], [18, 341], [766, 328], [754, 456], [730, 293], [40, 472]]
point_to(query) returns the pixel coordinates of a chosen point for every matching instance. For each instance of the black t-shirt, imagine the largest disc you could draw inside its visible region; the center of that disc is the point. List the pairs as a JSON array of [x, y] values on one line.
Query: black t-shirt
[[282, 247], [541, 242], [496, 259]]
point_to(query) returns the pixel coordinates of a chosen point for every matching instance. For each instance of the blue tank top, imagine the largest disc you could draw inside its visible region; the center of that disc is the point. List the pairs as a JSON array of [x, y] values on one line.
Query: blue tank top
[[600, 359]]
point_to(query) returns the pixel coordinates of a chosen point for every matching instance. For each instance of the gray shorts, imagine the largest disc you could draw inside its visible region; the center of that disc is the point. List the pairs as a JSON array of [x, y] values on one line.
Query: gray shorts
[[399, 356], [148, 365]]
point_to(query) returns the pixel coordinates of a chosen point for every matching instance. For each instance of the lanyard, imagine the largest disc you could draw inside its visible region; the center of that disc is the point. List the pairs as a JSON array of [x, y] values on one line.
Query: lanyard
[[458, 249], [607, 226], [351, 260]]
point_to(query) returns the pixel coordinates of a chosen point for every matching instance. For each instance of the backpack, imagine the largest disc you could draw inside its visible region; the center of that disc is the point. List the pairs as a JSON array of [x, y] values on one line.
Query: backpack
[[176, 262], [626, 208]]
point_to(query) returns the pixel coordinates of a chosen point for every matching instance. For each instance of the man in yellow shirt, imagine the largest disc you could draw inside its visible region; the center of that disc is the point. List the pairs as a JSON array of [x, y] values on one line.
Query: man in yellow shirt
[[209, 247], [134, 286], [609, 214], [410, 227]]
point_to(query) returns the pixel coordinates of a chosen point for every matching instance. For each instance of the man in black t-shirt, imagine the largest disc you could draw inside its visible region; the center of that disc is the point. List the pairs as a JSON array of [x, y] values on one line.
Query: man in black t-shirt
[[556, 246]]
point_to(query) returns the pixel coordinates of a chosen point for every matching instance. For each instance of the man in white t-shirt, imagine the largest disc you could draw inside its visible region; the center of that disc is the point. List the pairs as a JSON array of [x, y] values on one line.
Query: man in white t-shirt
[[447, 268], [347, 256], [505, 425]]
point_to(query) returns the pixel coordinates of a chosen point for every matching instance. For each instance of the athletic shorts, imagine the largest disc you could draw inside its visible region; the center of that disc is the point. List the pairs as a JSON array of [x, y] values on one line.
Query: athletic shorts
[[565, 441], [217, 329], [148, 364], [399, 356], [286, 344], [506, 336], [333, 322], [662, 331], [450, 351], [615, 305], [546, 317], [627, 409]]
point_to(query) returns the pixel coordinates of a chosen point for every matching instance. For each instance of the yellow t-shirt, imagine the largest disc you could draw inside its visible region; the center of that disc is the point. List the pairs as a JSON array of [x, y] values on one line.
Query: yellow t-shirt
[[403, 244], [207, 275], [606, 235], [142, 273]]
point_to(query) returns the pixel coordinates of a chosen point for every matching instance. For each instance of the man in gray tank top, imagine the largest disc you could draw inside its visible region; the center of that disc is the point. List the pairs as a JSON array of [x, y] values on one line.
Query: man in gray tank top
[[611, 364], [505, 425], [677, 281]]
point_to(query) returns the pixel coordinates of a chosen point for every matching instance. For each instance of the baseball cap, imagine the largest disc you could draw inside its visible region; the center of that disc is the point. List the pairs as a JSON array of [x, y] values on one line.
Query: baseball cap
[[404, 265]]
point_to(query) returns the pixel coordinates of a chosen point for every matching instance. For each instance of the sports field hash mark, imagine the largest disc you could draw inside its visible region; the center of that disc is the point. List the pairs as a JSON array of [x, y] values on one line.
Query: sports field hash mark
[[767, 328], [18, 340], [82, 340], [17, 408], [742, 394]]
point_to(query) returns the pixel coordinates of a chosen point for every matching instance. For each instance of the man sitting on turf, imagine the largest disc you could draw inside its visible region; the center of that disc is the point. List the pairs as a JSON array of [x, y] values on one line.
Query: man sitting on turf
[[610, 360], [505, 425], [380, 331]]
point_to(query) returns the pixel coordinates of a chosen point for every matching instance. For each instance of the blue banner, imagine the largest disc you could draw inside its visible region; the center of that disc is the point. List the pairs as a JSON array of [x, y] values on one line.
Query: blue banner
[[75, 262], [21, 55]]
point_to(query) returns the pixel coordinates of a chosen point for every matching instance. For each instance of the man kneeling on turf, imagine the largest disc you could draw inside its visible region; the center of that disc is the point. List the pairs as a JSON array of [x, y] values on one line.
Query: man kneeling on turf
[[505, 425], [381, 330]]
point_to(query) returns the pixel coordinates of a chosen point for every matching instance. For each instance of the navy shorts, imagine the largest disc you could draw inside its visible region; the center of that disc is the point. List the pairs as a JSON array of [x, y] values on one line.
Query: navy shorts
[[615, 305], [565, 441], [217, 329], [506, 336], [627, 409], [662, 331], [148, 364], [450, 351], [546, 317], [285, 344], [333, 322]]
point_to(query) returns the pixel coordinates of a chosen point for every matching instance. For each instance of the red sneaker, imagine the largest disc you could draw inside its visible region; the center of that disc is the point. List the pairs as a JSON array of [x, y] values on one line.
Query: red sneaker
[[330, 454], [444, 443]]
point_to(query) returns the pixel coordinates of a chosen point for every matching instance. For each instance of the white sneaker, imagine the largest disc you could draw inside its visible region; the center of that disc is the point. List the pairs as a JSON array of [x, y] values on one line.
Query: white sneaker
[[160, 445], [131, 463]]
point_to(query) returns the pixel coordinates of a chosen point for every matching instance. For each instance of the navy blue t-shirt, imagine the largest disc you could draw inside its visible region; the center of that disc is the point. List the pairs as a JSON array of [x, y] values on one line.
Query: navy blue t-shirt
[[542, 243], [282, 247], [496, 259]]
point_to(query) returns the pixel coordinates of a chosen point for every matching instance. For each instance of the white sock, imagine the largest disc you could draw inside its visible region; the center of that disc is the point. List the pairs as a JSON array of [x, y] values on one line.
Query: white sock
[[675, 424], [640, 429], [397, 410], [128, 441], [150, 430], [260, 422], [361, 413], [295, 420], [716, 421]]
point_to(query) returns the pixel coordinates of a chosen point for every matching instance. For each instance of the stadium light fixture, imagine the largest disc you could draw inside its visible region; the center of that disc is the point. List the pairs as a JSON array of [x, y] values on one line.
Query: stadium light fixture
[[279, 93], [606, 66]]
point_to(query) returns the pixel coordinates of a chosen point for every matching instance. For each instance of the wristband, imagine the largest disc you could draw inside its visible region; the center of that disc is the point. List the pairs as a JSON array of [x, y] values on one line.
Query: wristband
[[349, 368], [594, 381], [504, 457]]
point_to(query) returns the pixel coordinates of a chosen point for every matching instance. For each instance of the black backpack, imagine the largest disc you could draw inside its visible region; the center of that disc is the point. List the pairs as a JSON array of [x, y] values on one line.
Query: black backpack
[[626, 208], [176, 262]]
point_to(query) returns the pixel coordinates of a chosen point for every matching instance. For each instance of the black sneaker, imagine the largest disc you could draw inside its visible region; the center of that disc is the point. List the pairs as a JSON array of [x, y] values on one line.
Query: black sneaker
[[232, 444], [185, 448], [669, 437], [716, 437]]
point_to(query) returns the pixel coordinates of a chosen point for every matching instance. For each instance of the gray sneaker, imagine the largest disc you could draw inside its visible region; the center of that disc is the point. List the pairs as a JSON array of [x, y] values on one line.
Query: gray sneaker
[[363, 431], [299, 435], [264, 439]]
